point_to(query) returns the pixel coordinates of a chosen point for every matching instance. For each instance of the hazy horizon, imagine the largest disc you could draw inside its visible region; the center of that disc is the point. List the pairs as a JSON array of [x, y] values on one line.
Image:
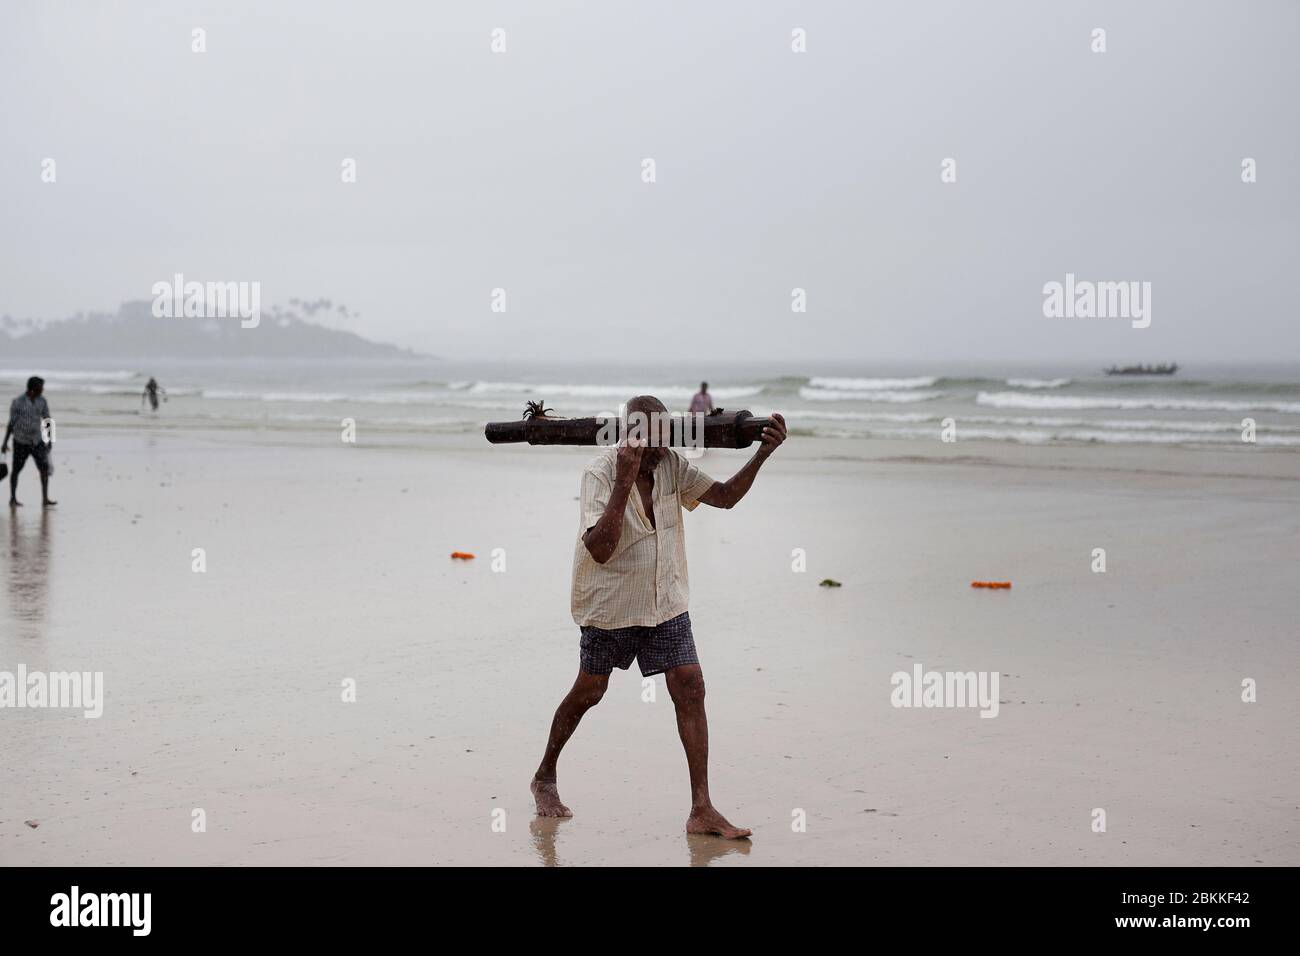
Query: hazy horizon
[[775, 170]]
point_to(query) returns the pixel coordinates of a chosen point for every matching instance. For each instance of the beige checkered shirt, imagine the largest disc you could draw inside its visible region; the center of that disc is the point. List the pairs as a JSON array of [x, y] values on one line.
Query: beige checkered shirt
[[644, 582]]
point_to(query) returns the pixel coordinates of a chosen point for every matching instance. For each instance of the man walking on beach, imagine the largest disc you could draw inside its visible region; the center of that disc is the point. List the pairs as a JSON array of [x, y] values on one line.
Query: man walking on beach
[[28, 414], [629, 595]]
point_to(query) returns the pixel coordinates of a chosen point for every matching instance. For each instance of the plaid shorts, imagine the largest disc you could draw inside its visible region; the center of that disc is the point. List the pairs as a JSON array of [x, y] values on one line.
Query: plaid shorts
[[656, 649]]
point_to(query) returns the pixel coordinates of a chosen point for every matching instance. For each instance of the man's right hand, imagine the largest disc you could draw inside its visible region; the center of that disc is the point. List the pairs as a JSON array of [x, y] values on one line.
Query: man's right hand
[[629, 461]]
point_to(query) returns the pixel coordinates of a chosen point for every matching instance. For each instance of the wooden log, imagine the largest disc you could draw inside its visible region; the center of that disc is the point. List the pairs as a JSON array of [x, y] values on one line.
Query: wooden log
[[727, 430]]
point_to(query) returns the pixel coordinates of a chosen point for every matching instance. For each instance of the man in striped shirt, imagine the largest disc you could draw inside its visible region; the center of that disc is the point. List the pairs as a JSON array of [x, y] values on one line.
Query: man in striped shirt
[[630, 591], [28, 414]]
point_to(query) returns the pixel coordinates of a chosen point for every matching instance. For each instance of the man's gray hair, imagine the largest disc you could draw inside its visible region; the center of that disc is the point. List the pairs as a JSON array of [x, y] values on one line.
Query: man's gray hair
[[646, 404]]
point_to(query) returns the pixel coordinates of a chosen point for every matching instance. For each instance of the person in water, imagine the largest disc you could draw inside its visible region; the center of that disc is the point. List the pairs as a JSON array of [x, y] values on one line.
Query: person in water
[[703, 401], [151, 391]]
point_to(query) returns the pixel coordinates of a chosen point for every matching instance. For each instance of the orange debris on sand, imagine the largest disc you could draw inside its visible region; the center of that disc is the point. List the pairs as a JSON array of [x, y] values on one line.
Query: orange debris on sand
[[996, 585], [463, 555]]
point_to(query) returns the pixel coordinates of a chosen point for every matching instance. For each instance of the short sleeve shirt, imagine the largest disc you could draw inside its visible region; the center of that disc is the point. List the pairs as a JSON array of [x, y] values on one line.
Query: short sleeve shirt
[[25, 418], [644, 582]]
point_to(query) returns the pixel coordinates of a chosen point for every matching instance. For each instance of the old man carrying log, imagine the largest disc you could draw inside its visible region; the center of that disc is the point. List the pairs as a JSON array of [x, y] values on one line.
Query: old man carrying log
[[629, 594]]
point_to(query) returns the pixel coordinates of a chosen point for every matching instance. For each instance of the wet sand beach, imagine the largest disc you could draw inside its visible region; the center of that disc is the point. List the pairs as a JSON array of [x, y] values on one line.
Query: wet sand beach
[[325, 562]]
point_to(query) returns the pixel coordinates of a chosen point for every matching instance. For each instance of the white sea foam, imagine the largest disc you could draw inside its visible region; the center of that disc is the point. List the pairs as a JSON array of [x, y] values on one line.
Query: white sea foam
[[872, 384], [130, 390], [1021, 400], [1121, 424], [1027, 436], [620, 392], [1021, 436], [237, 395], [1033, 421], [829, 415], [899, 398], [1038, 382]]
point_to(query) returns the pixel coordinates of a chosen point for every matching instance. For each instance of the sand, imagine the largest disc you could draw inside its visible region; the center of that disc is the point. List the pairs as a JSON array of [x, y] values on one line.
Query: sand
[[327, 562]]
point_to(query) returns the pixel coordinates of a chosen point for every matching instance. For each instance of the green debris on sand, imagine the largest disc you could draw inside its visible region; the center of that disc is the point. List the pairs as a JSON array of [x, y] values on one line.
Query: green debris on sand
[[829, 583]]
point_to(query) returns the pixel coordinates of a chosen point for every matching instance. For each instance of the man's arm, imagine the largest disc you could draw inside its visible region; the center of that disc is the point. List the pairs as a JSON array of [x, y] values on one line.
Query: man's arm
[[725, 494], [9, 430], [602, 538]]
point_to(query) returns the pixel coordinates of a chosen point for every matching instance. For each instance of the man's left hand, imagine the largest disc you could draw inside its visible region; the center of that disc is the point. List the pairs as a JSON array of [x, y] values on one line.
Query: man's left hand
[[773, 435]]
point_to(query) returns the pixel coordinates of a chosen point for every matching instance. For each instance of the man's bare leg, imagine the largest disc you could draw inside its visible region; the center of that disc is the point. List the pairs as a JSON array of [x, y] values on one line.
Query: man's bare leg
[[45, 490], [586, 692], [686, 687]]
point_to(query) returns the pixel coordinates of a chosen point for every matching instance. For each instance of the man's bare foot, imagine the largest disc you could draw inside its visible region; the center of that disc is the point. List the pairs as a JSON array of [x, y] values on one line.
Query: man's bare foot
[[547, 796], [48, 503], [709, 820], [15, 503]]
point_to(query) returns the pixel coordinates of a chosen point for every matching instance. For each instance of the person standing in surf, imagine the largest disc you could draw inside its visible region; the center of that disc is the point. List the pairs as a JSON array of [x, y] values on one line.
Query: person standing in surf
[[151, 390], [702, 401], [629, 592]]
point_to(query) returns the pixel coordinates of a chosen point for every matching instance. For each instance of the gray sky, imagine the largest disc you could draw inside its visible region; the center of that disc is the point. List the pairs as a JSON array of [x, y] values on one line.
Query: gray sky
[[775, 170]]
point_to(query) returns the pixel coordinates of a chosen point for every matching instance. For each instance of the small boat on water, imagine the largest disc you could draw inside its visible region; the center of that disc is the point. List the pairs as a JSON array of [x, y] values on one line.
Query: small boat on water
[[1143, 369]]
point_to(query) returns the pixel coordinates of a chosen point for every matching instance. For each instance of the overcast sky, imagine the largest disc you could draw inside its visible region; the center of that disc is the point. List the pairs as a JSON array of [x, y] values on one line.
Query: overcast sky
[[775, 170]]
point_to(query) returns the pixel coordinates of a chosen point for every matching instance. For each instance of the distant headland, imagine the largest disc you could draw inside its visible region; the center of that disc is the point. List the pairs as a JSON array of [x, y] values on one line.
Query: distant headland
[[135, 331]]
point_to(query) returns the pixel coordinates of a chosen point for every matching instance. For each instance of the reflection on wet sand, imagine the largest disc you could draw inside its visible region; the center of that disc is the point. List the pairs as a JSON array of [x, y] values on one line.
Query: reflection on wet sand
[[543, 830], [705, 849], [702, 849], [29, 566]]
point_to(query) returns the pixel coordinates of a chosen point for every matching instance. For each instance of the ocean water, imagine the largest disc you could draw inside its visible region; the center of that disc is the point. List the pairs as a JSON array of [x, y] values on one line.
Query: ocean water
[[1048, 405]]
